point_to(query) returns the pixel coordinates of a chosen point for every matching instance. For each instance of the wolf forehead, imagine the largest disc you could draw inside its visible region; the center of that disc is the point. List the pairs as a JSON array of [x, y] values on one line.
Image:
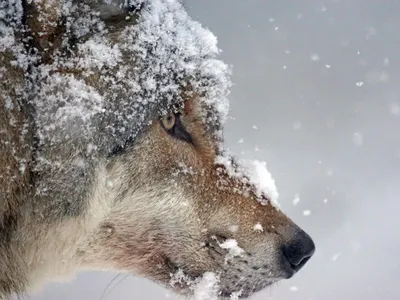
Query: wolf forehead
[[113, 83], [101, 88]]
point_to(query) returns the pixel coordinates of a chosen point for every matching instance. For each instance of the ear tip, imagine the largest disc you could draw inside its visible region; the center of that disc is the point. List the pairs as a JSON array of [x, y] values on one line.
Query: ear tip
[[113, 8]]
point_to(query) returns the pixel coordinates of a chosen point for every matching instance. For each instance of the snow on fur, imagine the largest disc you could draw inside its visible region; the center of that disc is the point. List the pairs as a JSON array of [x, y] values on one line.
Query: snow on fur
[[233, 249], [127, 79], [10, 16], [140, 71], [124, 81], [253, 172], [258, 227], [207, 288], [113, 83]]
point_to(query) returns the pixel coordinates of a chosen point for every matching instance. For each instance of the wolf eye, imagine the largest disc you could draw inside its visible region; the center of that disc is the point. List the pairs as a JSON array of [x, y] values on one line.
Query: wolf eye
[[168, 121], [173, 125]]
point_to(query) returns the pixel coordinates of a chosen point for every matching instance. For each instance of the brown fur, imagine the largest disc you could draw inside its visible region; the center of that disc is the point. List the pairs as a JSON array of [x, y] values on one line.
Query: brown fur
[[160, 205]]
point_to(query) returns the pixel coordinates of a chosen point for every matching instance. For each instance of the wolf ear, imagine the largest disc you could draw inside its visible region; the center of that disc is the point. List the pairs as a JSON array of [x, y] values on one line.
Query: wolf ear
[[47, 20], [116, 14], [110, 10]]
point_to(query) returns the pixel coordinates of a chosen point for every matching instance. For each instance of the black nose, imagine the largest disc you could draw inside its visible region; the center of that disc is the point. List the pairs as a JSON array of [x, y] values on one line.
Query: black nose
[[298, 250]]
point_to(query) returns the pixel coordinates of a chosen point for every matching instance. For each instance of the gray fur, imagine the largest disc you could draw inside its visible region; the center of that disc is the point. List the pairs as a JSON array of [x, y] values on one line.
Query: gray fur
[[88, 176]]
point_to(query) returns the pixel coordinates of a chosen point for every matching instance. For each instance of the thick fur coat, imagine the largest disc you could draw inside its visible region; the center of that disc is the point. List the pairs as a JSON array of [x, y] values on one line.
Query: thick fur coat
[[111, 117]]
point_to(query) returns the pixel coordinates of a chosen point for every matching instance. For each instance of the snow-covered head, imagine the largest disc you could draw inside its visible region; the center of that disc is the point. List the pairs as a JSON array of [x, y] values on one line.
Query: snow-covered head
[[129, 104], [183, 212], [185, 208]]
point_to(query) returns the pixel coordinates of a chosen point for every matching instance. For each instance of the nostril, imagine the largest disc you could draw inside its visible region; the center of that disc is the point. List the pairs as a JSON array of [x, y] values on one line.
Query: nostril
[[298, 250]]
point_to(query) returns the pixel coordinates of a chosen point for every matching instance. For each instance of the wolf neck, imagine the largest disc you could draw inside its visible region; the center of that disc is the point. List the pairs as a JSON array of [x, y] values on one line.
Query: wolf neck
[[41, 251], [31, 259]]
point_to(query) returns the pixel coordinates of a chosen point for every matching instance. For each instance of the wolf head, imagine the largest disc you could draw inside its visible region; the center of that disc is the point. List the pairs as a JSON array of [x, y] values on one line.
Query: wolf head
[[178, 212], [129, 170]]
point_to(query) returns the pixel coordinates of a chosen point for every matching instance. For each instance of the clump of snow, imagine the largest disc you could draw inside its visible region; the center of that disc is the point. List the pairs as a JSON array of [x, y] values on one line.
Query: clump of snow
[[306, 212], [254, 173], [262, 179], [233, 249], [207, 288], [180, 278], [235, 295], [258, 227], [204, 288]]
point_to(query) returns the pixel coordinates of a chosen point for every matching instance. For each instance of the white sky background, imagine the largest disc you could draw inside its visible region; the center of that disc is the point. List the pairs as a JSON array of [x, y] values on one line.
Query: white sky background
[[319, 79]]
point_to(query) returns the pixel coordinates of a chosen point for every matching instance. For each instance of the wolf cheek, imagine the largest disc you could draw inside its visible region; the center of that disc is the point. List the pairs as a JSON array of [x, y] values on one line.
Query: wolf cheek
[[180, 210]]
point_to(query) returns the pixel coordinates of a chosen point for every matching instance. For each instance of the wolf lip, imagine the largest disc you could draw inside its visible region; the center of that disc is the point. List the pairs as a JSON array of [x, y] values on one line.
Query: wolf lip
[[173, 267]]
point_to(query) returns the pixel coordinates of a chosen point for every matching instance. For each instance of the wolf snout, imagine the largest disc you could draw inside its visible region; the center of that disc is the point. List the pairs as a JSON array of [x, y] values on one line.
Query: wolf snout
[[297, 251]]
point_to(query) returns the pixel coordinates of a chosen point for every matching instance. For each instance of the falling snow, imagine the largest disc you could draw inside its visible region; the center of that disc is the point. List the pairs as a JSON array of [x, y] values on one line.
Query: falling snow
[[394, 109], [297, 125], [315, 57], [358, 139], [294, 289], [335, 256], [296, 200], [386, 61]]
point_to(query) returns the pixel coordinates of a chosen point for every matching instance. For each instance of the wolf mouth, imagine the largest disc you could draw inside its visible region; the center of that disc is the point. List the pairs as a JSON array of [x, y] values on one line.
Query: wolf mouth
[[171, 266]]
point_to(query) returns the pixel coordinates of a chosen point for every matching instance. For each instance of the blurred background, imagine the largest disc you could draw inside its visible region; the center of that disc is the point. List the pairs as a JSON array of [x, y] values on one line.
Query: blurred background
[[317, 96]]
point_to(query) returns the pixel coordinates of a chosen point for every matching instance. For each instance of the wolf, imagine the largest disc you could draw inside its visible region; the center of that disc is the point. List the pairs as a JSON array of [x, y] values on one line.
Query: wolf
[[112, 156]]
